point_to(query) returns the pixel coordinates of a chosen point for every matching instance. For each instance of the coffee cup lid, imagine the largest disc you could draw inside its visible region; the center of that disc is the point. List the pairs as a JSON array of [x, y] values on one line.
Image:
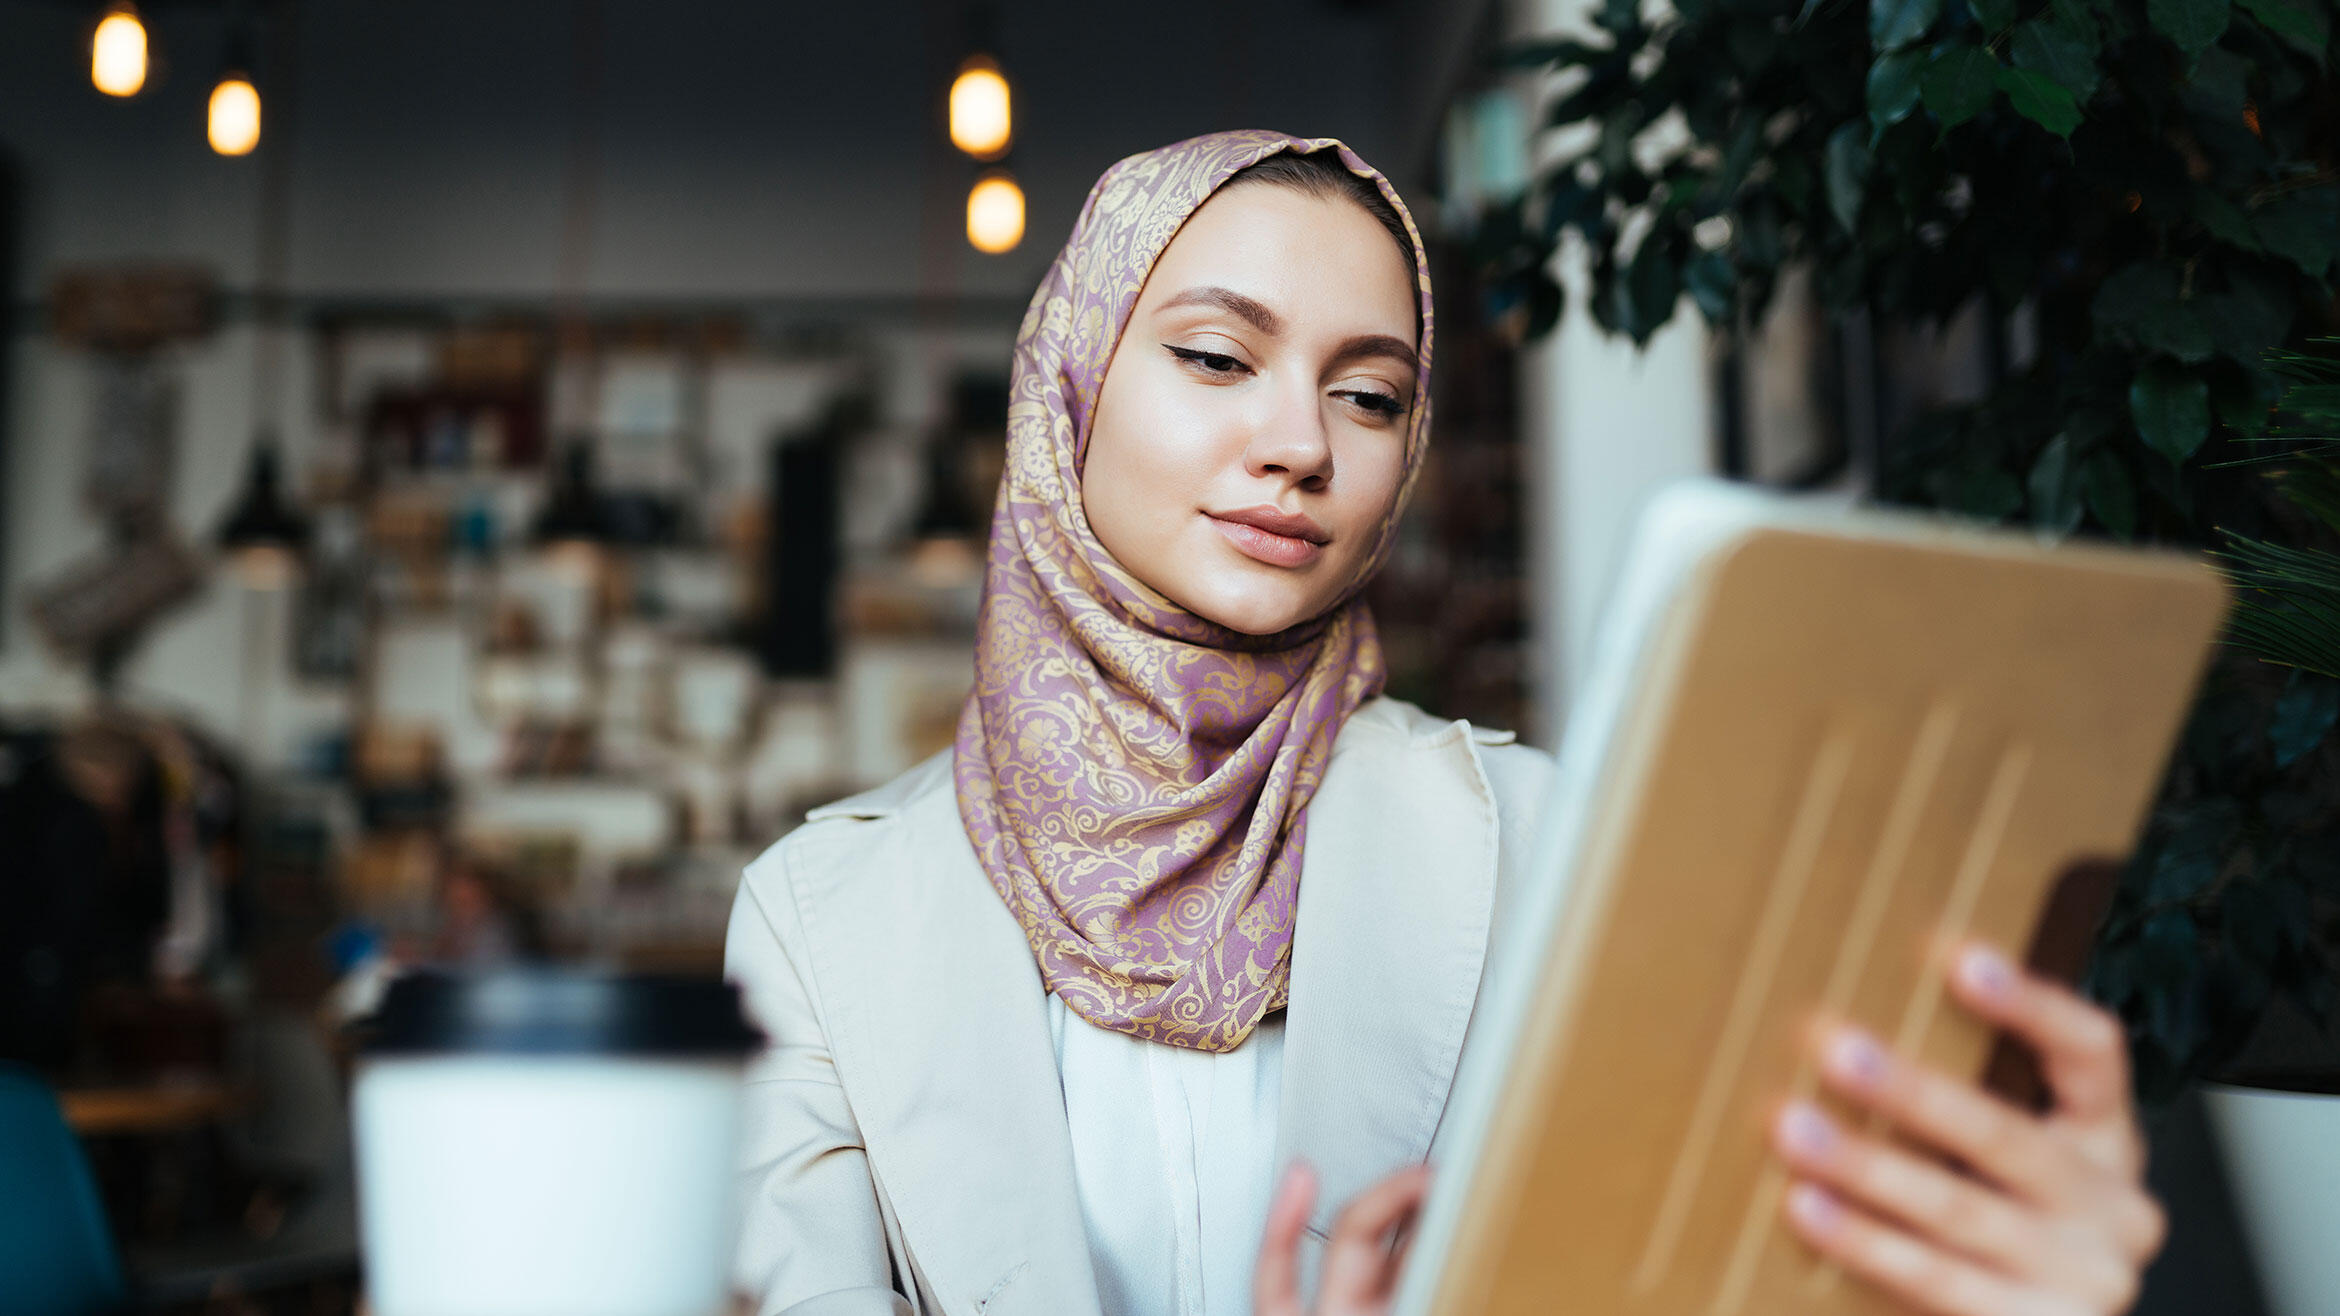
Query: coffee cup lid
[[550, 1011]]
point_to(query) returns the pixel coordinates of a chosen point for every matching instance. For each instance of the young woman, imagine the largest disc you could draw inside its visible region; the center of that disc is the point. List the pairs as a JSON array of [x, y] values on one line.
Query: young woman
[[1146, 998]]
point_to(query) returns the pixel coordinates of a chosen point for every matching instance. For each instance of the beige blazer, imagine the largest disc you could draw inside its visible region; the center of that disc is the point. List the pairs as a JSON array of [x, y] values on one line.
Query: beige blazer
[[906, 1149]]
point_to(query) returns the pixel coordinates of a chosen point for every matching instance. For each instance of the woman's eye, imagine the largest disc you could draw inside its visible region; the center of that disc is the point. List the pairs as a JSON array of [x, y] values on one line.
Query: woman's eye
[[1380, 404], [1216, 363]]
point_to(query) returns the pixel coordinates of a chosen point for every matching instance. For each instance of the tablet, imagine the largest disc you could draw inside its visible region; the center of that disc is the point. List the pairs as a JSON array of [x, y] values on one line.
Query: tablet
[[1816, 747]]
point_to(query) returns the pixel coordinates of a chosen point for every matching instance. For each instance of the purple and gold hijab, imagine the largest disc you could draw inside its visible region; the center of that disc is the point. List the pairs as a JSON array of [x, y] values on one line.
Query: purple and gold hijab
[[1136, 778]]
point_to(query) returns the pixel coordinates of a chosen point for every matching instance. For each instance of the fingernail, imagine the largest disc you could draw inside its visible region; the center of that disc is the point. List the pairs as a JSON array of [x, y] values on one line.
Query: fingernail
[[1986, 971], [1805, 1129], [1856, 1058], [1814, 1206]]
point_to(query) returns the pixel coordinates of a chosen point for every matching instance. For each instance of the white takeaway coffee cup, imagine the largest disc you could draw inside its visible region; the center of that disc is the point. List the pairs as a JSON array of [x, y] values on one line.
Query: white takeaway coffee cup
[[548, 1142]]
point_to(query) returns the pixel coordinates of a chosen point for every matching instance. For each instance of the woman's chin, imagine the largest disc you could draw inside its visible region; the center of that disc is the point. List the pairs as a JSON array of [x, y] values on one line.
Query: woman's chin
[[1255, 612]]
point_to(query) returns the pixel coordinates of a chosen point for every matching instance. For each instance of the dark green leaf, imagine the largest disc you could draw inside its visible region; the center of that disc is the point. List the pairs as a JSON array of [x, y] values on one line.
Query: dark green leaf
[[1611, 83], [2040, 99], [1650, 287], [1959, 83], [2303, 716], [2077, 17], [1893, 89], [2192, 25], [1752, 43], [1896, 23], [1848, 173], [2055, 488], [2245, 323], [1712, 285], [1739, 156], [2131, 293], [2180, 872], [2219, 85], [1544, 300], [1994, 15], [2303, 227], [1986, 492], [2253, 923], [2225, 220], [1615, 148], [2111, 497], [1569, 204], [1796, 176], [2055, 52], [2303, 23], [2172, 411], [2172, 954], [2175, 328], [1540, 54]]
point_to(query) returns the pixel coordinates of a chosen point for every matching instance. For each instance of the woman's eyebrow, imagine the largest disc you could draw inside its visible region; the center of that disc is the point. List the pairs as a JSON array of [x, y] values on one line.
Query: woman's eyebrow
[[1365, 345], [1227, 299]]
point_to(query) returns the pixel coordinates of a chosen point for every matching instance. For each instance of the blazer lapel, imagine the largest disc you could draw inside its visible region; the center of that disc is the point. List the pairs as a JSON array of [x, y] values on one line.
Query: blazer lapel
[[950, 1066], [1398, 882]]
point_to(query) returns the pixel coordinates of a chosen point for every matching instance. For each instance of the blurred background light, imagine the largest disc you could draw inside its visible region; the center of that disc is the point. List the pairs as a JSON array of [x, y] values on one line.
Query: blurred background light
[[234, 123], [995, 214], [117, 53], [981, 118]]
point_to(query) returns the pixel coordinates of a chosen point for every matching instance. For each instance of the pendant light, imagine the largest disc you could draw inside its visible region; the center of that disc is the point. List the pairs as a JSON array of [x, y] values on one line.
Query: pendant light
[[982, 112], [117, 52], [263, 533], [995, 213], [233, 121]]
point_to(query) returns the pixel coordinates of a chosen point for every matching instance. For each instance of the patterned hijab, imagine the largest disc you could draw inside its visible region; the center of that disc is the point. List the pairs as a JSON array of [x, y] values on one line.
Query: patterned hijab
[[1135, 778]]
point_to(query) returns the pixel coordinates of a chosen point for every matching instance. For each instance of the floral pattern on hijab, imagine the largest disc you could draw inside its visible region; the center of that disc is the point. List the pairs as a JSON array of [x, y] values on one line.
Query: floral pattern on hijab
[[1135, 778]]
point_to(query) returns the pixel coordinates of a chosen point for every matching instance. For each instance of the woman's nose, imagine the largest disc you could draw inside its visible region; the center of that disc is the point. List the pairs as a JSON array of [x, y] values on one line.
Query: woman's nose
[[1291, 441]]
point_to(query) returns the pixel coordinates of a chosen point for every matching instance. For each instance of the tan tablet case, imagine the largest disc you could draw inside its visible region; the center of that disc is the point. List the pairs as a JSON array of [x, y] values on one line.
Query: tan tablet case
[[1842, 751]]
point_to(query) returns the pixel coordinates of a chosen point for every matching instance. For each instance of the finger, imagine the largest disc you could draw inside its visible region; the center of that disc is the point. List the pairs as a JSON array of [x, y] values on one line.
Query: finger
[[1275, 1280], [2080, 1045], [1411, 1228], [1947, 1210], [2005, 1144], [1357, 1261], [1927, 1278]]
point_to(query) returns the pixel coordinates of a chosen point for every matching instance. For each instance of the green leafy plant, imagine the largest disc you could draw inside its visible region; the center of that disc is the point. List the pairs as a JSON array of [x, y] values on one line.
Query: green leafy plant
[[2289, 608], [2150, 188]]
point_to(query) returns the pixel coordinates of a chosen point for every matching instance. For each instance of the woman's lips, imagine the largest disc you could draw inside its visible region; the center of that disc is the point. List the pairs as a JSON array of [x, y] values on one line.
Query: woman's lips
[[1266, 545]]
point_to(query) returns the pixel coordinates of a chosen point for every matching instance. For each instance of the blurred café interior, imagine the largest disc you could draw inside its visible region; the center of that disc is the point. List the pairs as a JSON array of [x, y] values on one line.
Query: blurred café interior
[[476, 473], [475, 481]]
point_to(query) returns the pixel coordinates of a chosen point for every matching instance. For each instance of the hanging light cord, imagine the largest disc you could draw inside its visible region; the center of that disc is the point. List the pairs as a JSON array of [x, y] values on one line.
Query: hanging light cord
[[274, 230]]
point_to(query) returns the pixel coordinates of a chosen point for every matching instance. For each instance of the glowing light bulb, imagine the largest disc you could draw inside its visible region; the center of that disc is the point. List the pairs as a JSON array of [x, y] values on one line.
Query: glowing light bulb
[[995, 214], [117, 53], [234, 124], [981, 121]]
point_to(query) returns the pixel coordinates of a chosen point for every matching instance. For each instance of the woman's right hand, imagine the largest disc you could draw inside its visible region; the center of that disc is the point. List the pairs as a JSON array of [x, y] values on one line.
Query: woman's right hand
[[1361, 1265]]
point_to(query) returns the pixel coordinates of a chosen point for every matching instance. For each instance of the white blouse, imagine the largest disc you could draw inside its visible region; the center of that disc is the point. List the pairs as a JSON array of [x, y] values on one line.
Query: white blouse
[[1174, 1158]]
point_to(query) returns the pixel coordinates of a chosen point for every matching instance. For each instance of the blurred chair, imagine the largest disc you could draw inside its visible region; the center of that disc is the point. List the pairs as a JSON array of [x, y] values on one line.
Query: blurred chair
[[57, 1250], [57, 1254]]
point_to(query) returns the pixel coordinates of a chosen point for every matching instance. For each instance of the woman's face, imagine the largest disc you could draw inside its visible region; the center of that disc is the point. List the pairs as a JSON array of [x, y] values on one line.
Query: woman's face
[[1249, 438]]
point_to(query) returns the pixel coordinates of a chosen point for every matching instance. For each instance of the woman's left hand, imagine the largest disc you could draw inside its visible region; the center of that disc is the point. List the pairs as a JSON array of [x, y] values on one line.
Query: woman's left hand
[[2048, 1216]]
